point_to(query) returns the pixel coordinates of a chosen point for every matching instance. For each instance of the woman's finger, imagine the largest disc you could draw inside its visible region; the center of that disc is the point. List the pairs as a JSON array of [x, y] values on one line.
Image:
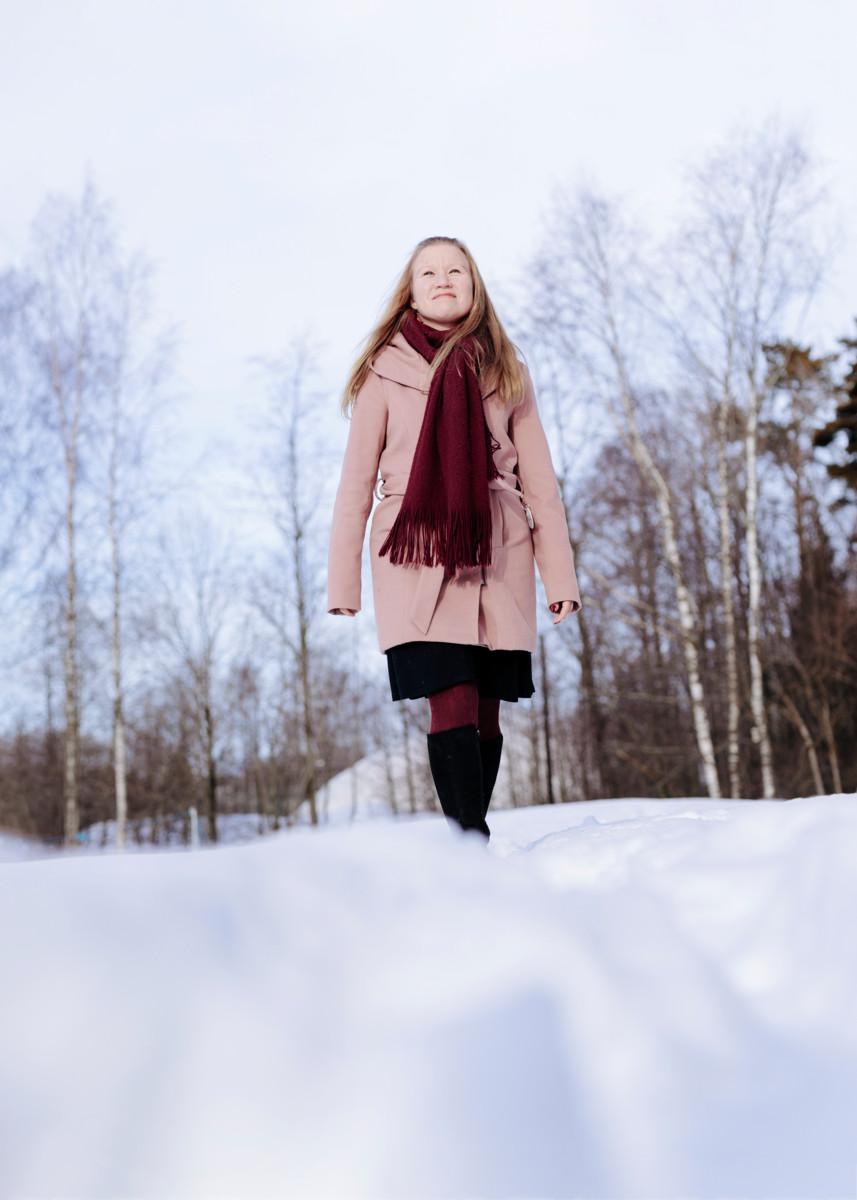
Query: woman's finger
[[562, 608]]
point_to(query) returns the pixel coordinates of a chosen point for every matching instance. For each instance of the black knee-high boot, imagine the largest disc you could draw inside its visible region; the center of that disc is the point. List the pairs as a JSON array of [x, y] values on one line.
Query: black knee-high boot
[[490, 749], [456, 767]]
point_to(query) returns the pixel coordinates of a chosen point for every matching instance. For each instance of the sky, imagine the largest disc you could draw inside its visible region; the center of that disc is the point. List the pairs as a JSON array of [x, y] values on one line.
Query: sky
[[277, 162], [614, 999]]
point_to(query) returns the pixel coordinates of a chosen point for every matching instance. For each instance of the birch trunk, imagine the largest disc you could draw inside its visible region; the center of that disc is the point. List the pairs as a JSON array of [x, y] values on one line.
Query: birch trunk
[[532, 779], [72, 715], [546, 727], [297, 534], [806, 737], [592, 751], [830, 739], [512, 770], [389, 778], [406, 751], [759, 732], [69, 431], [310, 751], [119, 756], [733, 705], [684, 601], [210, 764]]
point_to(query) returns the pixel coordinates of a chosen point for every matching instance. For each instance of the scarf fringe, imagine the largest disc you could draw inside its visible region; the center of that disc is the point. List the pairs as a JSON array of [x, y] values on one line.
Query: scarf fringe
[[423, 539]]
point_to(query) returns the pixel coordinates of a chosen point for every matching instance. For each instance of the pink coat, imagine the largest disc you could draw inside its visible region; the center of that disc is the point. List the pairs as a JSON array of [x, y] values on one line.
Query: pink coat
[[494, 606]]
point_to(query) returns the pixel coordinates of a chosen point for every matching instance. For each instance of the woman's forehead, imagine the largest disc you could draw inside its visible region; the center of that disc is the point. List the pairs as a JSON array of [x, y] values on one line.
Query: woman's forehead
[[440, 256]]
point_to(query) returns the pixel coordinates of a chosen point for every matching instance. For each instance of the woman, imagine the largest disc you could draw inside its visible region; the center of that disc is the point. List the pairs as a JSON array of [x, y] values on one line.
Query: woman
[[446, 413]]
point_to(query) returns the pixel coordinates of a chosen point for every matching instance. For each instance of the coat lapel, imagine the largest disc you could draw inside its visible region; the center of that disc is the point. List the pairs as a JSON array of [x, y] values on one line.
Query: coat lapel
[[399, 361]]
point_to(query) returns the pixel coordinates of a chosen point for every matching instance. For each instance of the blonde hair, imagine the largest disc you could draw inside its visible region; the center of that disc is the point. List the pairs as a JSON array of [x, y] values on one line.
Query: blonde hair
[[493, 349]]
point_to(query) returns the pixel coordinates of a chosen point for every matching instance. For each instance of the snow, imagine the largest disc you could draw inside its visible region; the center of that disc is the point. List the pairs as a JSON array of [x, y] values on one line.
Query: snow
[[627, 998]]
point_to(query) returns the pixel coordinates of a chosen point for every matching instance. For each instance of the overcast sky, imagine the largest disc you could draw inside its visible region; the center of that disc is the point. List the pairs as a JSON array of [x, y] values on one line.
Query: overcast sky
[[278, 161]]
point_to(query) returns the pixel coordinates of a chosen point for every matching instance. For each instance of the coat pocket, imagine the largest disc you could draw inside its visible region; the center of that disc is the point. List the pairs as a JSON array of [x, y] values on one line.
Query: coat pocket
[[529, 618], [426, 595]]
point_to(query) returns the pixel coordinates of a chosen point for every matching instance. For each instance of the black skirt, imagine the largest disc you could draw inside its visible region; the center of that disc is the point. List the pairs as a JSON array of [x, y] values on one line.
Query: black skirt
[[420, 668]]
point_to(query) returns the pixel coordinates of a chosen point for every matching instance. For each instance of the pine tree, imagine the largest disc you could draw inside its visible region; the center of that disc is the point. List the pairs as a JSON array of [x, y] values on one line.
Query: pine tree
[[845, 422]]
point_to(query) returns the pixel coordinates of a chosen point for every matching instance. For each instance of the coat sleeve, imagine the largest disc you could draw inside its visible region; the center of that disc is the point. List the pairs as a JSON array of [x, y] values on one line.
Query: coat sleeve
[[551, 542], [353, 503]]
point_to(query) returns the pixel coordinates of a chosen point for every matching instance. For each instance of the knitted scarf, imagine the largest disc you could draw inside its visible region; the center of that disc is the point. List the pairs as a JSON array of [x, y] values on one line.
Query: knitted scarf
[[445, 515]]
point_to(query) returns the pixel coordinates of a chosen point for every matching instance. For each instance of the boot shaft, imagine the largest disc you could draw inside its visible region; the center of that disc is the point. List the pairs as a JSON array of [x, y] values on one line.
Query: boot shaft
[[456, 766], [491, 750]]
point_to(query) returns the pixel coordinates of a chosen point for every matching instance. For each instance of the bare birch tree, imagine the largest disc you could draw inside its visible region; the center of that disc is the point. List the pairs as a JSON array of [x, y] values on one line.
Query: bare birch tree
[[86, 306], [591, 287], [288, 594], [191, 617], [744, 263], [66, 326], [133, 367], [18, 462]]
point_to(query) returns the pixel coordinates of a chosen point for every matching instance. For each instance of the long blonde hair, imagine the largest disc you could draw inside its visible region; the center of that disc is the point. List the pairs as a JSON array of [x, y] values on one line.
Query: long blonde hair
[[494, 351]]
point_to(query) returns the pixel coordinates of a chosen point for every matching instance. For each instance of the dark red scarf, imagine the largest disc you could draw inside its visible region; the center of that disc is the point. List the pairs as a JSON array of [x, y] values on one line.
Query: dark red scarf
[[445, 515]]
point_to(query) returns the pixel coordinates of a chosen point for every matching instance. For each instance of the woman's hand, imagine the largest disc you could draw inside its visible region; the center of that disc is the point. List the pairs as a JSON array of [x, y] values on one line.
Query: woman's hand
[[344, 612], [562, 608]]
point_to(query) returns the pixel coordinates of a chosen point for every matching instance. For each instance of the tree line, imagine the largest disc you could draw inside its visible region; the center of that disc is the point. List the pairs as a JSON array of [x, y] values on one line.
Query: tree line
[[708, 487]]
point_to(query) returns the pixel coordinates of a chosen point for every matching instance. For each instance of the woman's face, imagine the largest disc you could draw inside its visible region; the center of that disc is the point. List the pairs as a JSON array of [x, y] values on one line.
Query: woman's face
[[441, 285]]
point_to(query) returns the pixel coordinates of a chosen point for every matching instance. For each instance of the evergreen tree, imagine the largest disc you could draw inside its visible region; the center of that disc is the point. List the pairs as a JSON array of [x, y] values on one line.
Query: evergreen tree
[[845, 422]]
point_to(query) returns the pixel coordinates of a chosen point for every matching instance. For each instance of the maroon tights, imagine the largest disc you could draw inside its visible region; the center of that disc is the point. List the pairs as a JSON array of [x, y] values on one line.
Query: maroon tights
[[461, 704]]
